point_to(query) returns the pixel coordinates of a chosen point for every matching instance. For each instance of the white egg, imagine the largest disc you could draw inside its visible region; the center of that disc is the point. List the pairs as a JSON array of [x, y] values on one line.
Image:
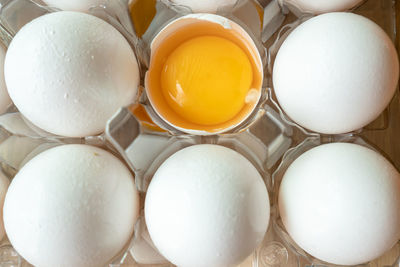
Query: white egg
[[340, 202], [73, 76], [205, 6], [319, 7], [74, 5], [72, 205], [5, 100], [335, 73], [207, 205], [4, 183]]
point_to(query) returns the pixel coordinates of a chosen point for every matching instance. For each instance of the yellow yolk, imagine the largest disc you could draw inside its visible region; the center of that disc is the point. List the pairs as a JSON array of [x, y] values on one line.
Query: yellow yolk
[[206, 79]]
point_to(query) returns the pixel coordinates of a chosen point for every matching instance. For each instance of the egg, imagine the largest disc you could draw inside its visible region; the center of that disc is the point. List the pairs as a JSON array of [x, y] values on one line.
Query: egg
[[72, 205], [76, 72], [340, 202], [4, 183], [205, 74], [319, 7], [335, 73], [5, 100], [74, 5], [205, 6], [207, 205]]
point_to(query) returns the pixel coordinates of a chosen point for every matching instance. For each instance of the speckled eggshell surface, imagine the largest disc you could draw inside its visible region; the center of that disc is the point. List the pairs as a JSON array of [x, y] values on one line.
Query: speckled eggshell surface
[[72, 205], [340, 202], [335, 73], [322, 6], [205, 6], [207, 205], [73, 76], [74, 5]]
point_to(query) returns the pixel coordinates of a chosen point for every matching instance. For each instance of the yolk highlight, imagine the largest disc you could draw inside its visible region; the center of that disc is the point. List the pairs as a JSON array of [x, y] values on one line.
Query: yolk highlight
[[206, 79]]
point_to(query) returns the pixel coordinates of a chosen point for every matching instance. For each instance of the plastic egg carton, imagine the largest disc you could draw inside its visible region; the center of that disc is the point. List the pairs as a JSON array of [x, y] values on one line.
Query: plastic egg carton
[[268, 138]]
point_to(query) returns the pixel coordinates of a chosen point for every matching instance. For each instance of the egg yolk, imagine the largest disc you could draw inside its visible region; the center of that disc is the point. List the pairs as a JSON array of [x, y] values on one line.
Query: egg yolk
[[206, 79]]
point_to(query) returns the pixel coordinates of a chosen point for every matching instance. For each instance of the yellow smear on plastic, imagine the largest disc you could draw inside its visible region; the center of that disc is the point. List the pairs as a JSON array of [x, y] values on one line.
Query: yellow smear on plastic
[[142, 13], [144, 119]]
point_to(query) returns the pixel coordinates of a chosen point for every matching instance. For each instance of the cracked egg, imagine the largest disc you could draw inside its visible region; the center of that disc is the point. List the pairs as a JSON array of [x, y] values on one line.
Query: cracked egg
[[205, 75]]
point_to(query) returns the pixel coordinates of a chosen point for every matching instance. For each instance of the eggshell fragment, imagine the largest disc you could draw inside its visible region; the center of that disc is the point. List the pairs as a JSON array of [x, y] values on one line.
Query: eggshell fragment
[[340, 202], [335, 73], [73, 76], [72, 205], [207, 205]]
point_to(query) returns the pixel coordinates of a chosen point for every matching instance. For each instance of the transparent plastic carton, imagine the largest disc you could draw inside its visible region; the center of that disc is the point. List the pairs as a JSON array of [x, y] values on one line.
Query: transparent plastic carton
[[139, 137]]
